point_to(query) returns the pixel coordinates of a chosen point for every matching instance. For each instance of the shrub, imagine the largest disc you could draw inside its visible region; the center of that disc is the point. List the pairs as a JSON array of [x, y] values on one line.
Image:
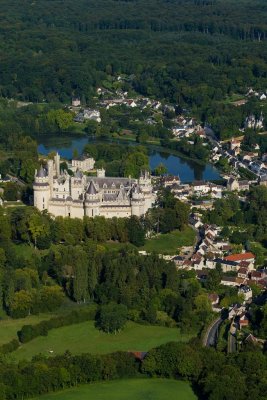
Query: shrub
[[9, 347], [29, 332]]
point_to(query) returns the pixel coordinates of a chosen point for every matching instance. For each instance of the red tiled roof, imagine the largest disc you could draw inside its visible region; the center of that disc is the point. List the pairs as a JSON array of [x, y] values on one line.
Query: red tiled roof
[[139, 355], [240, 257]]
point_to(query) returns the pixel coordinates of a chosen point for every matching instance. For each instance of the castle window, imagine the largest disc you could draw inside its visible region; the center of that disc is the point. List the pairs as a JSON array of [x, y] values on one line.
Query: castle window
[[43, 199]]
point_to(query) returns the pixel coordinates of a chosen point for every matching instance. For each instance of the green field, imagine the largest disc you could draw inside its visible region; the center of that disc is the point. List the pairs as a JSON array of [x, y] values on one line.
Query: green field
[[9, 327], [133, 389], [85, 338], [169, 243]]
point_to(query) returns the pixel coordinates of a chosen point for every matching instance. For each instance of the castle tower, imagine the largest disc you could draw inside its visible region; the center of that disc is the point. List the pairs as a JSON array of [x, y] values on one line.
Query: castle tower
[[57, 164], [41, 189], [137, 202], [100, 173], [146, 187], [92, 201]]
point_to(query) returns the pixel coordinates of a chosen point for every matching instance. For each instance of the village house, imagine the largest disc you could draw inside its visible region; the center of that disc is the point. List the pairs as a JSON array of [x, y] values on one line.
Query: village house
[[216, 157], [131, 103], [232, 281], [195, 221], [243, 320], [245, 291], [201, 187], [212, 230], [258, 276], [227, 265], [233, 184], [187, 264], [235, 143], [178, 260], [170, 180], [238, 258], [235, 310], [216, 191], [243, 185], [250, 156], [243, 273], [93, 115]]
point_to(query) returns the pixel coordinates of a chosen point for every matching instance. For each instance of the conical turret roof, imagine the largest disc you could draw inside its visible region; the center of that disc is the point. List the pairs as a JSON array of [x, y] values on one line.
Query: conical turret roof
[[78, 174], [41, 173], [91, 188]]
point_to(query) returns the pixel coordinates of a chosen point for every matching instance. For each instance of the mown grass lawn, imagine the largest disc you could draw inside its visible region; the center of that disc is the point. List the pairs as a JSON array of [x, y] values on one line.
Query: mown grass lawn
[[131, 389], [9, 326], [85, 338], [169, 243]]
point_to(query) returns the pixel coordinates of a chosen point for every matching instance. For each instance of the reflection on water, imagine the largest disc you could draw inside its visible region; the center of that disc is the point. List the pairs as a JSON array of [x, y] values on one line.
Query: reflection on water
[[187, 170]]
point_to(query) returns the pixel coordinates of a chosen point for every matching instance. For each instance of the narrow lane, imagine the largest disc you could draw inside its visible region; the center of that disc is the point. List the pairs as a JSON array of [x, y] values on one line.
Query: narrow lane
[[211, 336]]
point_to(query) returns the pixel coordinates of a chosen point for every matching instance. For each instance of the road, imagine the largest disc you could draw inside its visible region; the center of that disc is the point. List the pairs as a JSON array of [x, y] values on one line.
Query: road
[[197, 242], [211, 336], [231, 343]]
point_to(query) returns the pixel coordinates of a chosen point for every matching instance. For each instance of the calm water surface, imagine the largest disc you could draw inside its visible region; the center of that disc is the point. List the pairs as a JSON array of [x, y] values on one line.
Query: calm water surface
[[186, 169]]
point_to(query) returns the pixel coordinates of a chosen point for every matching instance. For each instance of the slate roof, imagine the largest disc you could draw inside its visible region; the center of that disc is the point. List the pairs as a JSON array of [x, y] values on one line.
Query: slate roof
[[91, 188], [41, 173]]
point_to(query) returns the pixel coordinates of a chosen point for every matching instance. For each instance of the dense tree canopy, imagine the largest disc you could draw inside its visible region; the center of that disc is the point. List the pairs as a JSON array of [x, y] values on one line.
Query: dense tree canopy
[[194, 53]]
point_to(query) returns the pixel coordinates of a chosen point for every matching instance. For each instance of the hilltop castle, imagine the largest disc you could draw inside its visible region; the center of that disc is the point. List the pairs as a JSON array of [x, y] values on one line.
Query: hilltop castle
[[80, 195]]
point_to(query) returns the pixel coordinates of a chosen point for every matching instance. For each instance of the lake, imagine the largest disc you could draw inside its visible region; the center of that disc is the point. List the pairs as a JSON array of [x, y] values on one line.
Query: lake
[[187, 170]]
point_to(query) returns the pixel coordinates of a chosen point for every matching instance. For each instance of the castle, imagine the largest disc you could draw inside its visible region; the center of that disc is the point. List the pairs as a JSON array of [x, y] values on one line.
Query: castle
[[80, 195]]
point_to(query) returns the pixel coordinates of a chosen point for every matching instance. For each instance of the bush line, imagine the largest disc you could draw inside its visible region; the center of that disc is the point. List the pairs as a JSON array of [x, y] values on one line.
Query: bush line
[[30, 332]]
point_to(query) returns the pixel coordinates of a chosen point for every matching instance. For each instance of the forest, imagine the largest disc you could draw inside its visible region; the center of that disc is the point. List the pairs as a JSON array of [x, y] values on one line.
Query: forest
[[196, 54], [80, 259]]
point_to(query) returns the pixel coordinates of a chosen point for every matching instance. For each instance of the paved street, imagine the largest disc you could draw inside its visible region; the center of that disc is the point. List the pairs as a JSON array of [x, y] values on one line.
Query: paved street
[[232, 343], [212, 334]]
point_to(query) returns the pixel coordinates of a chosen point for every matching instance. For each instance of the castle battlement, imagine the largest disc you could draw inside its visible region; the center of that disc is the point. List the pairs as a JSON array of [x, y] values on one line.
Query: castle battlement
[[80, 195]]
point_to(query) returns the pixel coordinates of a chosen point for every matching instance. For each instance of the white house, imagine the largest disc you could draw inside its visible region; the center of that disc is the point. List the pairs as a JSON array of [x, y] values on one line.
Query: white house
[[201, 187]]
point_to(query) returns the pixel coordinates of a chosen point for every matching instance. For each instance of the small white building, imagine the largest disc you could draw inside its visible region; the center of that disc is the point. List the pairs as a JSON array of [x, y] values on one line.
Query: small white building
[[201, 187], [76, 102], [93, 115]]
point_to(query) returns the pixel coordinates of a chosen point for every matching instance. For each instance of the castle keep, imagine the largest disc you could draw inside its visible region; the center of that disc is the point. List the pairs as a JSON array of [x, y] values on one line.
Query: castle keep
[[80, 195]]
